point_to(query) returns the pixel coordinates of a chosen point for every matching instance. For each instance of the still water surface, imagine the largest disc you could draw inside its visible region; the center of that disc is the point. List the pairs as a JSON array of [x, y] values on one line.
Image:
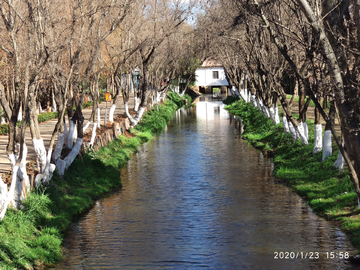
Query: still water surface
[[197, 196]]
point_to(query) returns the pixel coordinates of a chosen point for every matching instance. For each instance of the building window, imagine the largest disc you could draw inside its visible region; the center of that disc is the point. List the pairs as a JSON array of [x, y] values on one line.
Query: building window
[[215, 74]]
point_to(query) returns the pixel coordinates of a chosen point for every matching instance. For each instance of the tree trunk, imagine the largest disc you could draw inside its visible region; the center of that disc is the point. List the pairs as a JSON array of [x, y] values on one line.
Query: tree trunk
[[285, 123], [61, 133], [38, 142], [340, 162], [144, 96], [327, 133], [274, 110], [64, 164], [349, 124]]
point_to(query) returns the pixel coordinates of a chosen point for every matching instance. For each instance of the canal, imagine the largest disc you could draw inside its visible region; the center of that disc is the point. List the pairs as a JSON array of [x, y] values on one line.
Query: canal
[[197, 196]]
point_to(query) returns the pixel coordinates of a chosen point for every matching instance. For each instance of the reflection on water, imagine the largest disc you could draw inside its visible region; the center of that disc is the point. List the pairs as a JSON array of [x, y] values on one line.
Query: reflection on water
[[198, 196]]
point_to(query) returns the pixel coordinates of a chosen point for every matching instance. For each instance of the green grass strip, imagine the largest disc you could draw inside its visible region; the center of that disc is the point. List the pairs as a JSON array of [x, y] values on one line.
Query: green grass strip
[[33, 235], [328, 192]]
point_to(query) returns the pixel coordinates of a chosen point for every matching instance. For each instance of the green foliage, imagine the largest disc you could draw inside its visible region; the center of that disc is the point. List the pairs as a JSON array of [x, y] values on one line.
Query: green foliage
[[4, 129], [179, 101], [87, 104], [33, 235], [188, 66], [42, 117], [329, 192], [156, 120], [230, 99], [102, 81]]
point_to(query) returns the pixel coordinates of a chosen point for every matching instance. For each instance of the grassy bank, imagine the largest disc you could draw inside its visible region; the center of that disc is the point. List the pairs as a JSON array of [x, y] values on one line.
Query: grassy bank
[[330, 193], [33, 235]]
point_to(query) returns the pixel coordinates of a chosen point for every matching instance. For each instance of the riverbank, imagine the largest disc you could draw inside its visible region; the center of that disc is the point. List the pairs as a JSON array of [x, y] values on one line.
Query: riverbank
[[32, 237], [328, 192]]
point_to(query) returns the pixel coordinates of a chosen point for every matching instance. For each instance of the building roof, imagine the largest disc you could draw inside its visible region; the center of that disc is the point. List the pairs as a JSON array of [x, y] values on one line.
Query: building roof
[[211, 63]]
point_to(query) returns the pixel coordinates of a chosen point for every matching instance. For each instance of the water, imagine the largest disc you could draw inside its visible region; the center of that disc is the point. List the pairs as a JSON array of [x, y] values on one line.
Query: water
[[195, 197]]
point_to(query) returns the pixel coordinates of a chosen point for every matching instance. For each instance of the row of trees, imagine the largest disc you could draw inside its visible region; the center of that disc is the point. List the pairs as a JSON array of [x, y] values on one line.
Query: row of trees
[[309, 48], [62, 49]]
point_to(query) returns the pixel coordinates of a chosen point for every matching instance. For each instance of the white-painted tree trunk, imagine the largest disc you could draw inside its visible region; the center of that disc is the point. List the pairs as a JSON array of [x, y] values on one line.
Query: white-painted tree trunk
[[70, 140], [253, 101], [22, 166], [111, 113], [134, 120], [272, 114], [301, 128], [60, 165], [241, 94], [177, 89], [12, 159], [59, 146], [152, 101], [138, 116], [75, 151], [46, 175], [13, 196], [22, 179], [340, 162], [267, 111], [40, 152], [75, 134], [93, 134], [158, 99], [301, 133], [3, 122], [260, 105], [318, 139], [163, 96], [263, 108], [126, 106], [9, 196], [19, 117], [285, 125], [86, 126], [235, 90], [248, 95], [276, 112], [46, 168], [245, 94], [63, 165], [137, 104], [327, 151], [306, 131], [3, 198], [292, 131], [40, 108], [98, 117]]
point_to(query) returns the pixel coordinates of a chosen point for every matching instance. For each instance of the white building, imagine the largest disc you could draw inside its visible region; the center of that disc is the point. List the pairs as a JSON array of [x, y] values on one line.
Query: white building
[[209, 76]]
